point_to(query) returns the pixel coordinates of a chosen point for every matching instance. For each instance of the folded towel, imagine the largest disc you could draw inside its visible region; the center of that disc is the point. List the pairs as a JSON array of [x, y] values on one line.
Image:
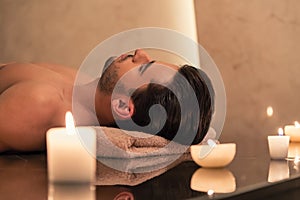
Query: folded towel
[[138, 152], [117, 143]]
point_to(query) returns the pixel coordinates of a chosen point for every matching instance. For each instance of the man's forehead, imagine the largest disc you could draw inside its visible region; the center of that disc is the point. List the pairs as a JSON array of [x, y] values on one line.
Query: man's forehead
[[157, 73]]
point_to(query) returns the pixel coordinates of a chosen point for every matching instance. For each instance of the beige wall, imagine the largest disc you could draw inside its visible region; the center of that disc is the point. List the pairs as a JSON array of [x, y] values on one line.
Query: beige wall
[[255, 44], [66, 31]]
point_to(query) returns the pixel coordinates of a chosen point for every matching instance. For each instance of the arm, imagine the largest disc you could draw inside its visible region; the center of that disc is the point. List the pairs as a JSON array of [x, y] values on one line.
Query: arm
[[27, 110]]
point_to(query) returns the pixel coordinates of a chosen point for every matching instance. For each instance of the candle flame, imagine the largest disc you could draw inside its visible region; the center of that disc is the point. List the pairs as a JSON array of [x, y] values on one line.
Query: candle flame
[[70, 125], [270, 111], [297, 125], [280, 131]]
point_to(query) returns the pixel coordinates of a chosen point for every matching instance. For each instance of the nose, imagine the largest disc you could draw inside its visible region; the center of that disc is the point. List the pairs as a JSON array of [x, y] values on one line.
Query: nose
[[140, 56]]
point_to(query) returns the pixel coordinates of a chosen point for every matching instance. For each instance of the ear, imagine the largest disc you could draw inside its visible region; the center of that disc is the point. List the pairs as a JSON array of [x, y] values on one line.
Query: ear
[[124, 195], [123, 107]]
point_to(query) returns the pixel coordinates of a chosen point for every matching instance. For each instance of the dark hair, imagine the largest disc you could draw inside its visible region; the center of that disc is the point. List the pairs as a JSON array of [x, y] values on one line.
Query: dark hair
[[176, 114]]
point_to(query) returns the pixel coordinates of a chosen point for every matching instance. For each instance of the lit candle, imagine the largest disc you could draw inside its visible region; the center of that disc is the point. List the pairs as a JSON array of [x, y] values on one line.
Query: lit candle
[[278, 145], [293, 131], [71, 153]]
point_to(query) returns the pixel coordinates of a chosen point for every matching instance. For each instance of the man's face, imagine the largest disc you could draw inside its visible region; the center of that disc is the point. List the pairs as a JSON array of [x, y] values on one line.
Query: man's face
[[136, 69], [140, 58]]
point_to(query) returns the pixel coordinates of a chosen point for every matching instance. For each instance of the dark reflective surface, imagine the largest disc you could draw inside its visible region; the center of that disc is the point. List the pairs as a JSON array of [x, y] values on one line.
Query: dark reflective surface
[[24, 176]]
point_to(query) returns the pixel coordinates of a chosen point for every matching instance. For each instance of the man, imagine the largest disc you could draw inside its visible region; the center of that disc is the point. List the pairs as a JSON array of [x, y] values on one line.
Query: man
[[35, 97]]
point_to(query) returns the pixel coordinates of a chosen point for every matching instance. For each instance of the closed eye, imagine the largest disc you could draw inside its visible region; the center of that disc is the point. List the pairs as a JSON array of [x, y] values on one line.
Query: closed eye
[[128, 56]]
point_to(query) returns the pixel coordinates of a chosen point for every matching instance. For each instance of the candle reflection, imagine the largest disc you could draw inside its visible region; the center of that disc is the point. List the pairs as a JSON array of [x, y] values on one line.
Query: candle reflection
[[213, 181], [71, 192], [278, 170], [210, 193], [296, 162]]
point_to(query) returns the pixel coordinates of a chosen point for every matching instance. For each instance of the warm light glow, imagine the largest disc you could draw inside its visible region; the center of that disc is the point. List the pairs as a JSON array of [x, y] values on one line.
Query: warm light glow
[[70, 125], [280, 131], [270, 111], [297, 125], [296, 160], [210, 192]]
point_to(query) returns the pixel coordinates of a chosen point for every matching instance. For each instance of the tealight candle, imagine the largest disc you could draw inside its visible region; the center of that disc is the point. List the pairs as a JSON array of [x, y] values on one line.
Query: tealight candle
[[293, 131], [71, 153], [278, 145]]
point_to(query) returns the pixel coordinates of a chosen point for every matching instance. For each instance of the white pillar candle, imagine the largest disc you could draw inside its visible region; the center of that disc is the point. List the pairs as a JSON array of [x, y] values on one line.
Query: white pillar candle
[[278, 145], [293, 131], [71, 153]]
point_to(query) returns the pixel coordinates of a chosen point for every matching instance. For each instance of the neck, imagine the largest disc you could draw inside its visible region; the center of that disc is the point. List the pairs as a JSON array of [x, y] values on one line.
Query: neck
[[103, 108], [84, 95], [83, 103]]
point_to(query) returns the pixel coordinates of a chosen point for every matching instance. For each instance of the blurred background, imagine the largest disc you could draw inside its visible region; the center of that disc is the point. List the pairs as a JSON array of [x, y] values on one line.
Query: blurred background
[[255, 44]]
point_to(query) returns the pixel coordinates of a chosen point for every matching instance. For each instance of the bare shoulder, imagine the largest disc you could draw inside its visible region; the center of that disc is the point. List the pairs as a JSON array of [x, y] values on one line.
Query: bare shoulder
[[40, 68], [29, 92], [21, 72], [62, 69], [27, 110]]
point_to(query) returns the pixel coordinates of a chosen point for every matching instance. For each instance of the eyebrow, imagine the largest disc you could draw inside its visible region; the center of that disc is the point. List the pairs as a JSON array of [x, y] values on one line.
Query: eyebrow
[[144, 67]]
